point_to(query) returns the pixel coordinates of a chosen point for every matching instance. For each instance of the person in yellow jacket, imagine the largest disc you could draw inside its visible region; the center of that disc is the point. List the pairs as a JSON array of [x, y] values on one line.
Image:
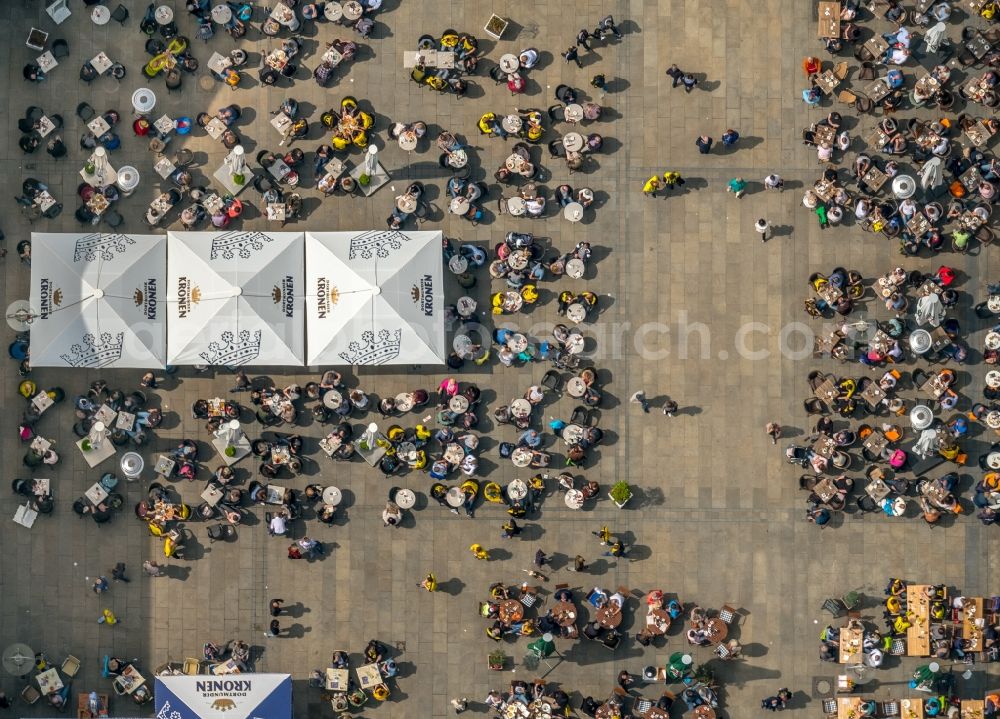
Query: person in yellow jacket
[[672, 180], [429, 583], [652, 186], [479, 553]]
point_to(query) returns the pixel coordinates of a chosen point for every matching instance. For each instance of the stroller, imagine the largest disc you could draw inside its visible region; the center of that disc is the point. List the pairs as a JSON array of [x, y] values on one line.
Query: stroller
[[797, 455]]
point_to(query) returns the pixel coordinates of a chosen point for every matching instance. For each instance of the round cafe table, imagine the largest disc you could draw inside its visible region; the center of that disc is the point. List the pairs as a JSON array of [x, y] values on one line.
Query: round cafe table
[[704, 711], [516, 206], [576, 387], [572, 433], [458, 264], [993, 303], [993, 460], [574, 344], [517, 489], [521, 457], [404, 401], [511, 611], [509, 63], [717, 630], [332, 399], [333, 11], [458, 159], [454, 454], [462, 344], [223, 13], [517, 343], [573, 141], [332, 496], [458, 206], [353, 10], [466, 306], [407, 451], [519, 259], [512, 301], [100, 15], [512, 124], [458, 404], [564, 613], [573, 212], [992, 340], [520, 408], [576, 312], [406, 203], [574, 268], [574, 499], [408, 140], [573, 113], [993, 419], [455, 497], [405, 499], [163, 15], [993, 378]]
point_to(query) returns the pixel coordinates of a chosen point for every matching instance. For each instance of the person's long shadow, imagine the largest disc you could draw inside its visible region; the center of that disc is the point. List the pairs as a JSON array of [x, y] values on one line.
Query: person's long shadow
[[781, 231], [296, 610], [452, 587]]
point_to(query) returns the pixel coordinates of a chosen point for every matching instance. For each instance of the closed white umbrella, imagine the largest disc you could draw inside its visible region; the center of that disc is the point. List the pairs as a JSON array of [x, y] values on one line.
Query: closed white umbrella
[[931, 174], [929, 310]]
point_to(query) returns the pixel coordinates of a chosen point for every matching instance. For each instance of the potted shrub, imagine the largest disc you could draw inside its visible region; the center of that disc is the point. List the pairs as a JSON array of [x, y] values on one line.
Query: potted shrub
[[620, 493], [89, 167], [364, 180], [230, 451], [85, 445], [497, 660]]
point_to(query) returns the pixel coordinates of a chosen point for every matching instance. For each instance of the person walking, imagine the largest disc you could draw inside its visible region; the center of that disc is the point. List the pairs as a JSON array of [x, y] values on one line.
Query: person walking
[[599, 82], [581, 40], [607, 25], [273, 629], [676, 74], [429, 583], [479, 553], [118, 573], [737, 186], [672, 180], [579, 564], [604, 535], [669, 407], [152, 569], [108, 617], [510, 529], [242, 382], [704, 143], [729, 137], [773, 430], [774, 182], [625, 680], [572, 55], [460, 705], [275, 607], [617, 550], [764, 228], [652, 186], [689, 81], [639, 398], [148, 380], [100, 585], [540, 559]]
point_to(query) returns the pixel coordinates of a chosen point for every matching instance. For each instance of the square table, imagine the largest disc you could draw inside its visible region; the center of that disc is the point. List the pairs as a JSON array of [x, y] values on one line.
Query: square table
[[45, 201], [446, 60], [278, 169], [427, 58], [978, 133], [848, 707], [873, 394], [874, 178], [130, 679], [215, 127], [825, 489], [933, 387], [105, 414], [825, 134], [95, 455], [824, 446], [25, 516], [96, 494], [164, 167], [42, 402], [332, 56], [164, 465], [829, 19], [826, 82], [98, 203], [918, 225], [230, 666], [970, 221], [875, 442], [971, 179], [337, 679], [334, 166], [877, 46], [878, 90], [973, 708], [101, 62], [368, 676], [46, 61], [851, 651], [940, 339], [49, 681], [824, 344], [912, 708], [98, 126], [276, 211], [978, 46], [125, 421], [826, 391], [40, 487], [45, 126], [918, 641], [877, 490], [219, 63], [212, 495], [40, 445], [928, 85], [282, 123], [275, 495], [165, 125], [974, 7], [213, 203]]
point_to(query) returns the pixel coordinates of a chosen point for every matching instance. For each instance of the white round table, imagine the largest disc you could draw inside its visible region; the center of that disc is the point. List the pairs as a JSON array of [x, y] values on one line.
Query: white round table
[[163, 15], [128, 179], [458, 404], [576, 387], [573, 141], [993, 460], [573, 212], [573, 433], [458, 206], [404, 401], [407, 140], [992, 340], [576, 312], [573, 113], [466, 306], [455, 497], [993, 419], [518, 259], [574, 344], [332, 399], [517, 342], [516, 206], [405, 499], [509, 63], [353, 10], [462, 344], [512, 124], [993, 303], [332, 496], [458, 264], [406, 203], [458, 159], [222, 14], [100, 15], [574, 499], [517, 489], [993, 379], [333, 11], [453, 453], [574, 268], [520, 407], [143, 100], [521, 457]]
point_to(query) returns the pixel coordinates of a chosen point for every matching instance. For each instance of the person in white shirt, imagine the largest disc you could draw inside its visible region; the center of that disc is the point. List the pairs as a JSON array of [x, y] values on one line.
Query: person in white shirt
[[277, 526]]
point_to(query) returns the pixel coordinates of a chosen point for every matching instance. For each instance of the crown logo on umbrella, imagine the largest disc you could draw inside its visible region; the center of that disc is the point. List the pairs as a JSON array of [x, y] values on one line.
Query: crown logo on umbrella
[[137, 297], [94, 352], [233, 350], [374, 351]]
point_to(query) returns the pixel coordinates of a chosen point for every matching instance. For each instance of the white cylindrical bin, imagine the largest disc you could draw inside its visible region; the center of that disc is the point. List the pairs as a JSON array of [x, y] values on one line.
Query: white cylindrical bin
[[128, 180], [903, 186], [143, 100], [132, 465], [921, 417]]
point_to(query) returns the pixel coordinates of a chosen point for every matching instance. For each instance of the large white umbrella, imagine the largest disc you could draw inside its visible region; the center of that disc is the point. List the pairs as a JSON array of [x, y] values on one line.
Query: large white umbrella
[[235, 298], [374, 297], [96, 300]]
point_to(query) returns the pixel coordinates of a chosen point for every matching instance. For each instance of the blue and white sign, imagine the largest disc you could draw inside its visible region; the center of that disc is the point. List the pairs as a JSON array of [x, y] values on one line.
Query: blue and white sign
[[231, 696]]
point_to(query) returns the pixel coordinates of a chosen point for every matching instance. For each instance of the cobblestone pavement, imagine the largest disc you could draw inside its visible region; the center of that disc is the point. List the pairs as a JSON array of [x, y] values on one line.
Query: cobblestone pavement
[[716, 518]]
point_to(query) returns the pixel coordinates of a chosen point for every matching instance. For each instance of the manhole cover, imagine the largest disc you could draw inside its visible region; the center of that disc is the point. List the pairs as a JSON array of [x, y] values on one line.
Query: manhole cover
[[206, 83], [822, 686]]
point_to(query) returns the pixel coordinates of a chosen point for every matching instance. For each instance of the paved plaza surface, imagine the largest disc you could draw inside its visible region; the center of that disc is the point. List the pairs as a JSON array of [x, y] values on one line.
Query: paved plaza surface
[[717, 516]]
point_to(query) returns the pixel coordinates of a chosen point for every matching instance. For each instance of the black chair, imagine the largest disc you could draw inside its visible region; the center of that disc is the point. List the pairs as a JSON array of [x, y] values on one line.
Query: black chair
[[120, 14], [113, 219], [85, 112], [60, 49]]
